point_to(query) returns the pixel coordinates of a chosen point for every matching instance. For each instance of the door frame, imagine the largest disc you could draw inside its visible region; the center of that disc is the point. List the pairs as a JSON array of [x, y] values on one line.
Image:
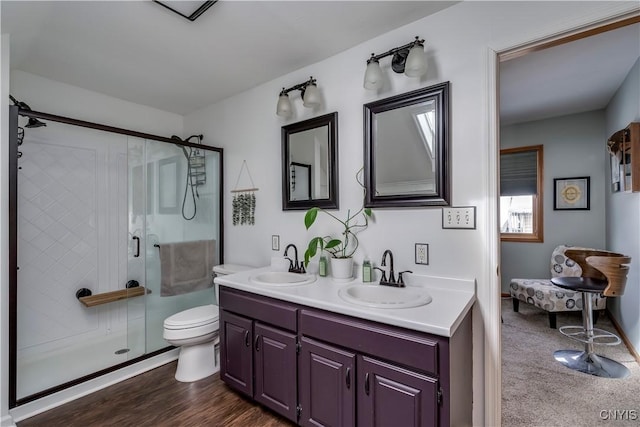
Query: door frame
[[615, 16]]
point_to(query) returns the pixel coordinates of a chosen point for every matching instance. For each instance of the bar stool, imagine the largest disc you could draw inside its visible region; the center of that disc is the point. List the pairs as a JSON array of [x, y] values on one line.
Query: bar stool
[[605, 273]]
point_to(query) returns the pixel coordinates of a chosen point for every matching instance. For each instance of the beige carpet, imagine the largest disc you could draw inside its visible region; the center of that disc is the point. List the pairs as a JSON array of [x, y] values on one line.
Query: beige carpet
[[538, 391]]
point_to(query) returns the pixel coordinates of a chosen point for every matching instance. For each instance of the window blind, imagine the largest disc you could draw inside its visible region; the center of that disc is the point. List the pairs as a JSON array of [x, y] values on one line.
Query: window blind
[[519, 173]]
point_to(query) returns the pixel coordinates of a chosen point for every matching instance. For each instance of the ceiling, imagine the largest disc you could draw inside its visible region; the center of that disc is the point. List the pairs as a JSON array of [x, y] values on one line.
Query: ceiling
[[141, 52], [571, 78]]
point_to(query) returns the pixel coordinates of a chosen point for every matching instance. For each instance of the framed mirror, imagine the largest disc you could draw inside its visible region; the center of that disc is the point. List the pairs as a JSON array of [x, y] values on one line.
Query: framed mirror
[[310, 163], [406, 149]]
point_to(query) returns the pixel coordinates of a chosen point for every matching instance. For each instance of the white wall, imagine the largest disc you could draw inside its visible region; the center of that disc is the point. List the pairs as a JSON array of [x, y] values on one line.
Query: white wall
[[573, 147], [71, 101], [457, 41], [623, 211]]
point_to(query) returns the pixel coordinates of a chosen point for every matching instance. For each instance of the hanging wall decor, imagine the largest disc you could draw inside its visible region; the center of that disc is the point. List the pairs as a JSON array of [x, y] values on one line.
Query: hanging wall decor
[[244, 200]]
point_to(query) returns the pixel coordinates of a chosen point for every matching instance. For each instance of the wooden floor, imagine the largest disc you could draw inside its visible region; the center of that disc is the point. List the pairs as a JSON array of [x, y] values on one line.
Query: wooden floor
[[155, 398]]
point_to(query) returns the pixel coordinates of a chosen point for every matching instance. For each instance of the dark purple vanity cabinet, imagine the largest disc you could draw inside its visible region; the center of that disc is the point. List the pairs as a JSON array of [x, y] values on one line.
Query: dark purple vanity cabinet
[[258, 349], [326, 385], [236, 352], [274, 369], [319, 368], [393, 396]]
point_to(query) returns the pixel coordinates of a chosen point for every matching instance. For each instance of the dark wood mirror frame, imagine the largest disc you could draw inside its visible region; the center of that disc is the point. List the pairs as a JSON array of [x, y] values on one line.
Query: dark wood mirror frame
[[330, 120], [439, 94]]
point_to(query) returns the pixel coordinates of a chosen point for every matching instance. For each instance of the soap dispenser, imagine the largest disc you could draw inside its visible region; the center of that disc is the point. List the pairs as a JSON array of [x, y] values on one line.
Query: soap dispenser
[[322, 266], [366, 271]]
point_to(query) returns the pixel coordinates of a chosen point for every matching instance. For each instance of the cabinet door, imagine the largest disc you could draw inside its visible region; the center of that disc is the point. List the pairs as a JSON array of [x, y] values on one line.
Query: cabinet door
[[275, 369], [236, 364], [326, 385], [392, 396]]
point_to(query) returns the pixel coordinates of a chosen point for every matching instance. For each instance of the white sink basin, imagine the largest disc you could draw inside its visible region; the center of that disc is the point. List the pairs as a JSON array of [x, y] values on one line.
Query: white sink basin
[[282, 278], [378, 296]]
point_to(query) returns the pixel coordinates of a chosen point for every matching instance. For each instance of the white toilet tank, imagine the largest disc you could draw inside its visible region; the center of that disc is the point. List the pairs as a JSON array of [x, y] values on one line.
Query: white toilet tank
[[226, 269]]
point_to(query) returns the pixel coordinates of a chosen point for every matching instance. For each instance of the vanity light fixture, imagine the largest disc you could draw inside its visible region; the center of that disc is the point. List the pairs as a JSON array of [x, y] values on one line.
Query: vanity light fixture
[[408, 59], [309, 93]]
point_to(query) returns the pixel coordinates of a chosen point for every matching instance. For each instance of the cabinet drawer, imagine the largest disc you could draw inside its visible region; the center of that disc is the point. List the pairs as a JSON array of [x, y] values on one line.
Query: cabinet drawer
[[267, 310], [408, 348]]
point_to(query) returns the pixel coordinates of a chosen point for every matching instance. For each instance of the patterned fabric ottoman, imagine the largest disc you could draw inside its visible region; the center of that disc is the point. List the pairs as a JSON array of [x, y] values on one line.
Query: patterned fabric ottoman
[[543, 294]]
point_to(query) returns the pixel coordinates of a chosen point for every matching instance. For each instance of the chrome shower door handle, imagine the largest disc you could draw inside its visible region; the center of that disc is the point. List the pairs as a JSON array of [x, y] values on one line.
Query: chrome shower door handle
[[137, 239]]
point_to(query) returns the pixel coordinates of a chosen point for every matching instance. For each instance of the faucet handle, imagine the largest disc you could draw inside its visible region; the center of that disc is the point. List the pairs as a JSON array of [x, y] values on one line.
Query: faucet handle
[[290, 263], [384, 274], [400, 281]]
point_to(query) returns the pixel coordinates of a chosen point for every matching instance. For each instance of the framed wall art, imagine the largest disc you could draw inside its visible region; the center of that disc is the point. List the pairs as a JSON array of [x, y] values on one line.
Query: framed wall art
[[571, 193]]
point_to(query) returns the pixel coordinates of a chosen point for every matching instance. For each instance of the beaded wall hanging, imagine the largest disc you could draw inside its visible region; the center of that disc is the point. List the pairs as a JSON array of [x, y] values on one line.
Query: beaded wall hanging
[[244, 200]]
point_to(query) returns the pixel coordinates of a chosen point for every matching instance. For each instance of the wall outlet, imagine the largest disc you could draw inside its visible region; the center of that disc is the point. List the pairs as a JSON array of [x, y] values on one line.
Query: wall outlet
[[459, 217], [422, 253], [275, 242]]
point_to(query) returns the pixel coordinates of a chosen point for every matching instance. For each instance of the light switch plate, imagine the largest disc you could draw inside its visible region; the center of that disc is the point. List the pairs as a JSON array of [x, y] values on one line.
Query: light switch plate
[[422, 253], [459, 217], [275, 242]]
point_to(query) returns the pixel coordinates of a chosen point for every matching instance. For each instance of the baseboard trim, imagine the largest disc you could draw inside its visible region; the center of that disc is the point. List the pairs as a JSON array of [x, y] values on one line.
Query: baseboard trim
[[623, 337], [7, 421]]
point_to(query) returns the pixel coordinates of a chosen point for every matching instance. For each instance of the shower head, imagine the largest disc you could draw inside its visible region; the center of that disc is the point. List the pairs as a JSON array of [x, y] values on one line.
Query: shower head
[[34, 123]]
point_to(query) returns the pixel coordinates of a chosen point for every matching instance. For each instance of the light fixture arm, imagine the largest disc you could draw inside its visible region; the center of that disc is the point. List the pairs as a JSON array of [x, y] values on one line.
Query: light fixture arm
[[301, 87], [406, 47]]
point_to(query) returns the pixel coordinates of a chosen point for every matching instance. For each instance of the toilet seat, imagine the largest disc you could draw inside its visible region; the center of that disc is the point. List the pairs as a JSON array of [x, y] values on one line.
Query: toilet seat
[[193, 318]]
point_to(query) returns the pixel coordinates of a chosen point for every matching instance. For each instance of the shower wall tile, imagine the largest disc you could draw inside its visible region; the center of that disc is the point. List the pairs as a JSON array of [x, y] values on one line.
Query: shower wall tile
[[60, 189]]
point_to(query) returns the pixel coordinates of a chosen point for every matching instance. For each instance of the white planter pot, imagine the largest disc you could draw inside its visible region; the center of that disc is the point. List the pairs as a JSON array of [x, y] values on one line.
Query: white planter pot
[[342, 268]]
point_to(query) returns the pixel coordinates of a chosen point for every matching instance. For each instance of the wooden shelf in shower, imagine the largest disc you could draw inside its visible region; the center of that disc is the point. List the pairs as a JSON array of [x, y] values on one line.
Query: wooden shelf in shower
[[107, 297]]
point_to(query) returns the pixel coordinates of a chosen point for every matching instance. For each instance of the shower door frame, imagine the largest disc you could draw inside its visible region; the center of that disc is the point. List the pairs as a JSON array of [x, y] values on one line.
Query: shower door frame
[[14, 112]]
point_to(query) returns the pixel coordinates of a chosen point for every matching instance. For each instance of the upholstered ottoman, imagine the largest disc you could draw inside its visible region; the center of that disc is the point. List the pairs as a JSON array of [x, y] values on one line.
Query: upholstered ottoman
[[543, 294]]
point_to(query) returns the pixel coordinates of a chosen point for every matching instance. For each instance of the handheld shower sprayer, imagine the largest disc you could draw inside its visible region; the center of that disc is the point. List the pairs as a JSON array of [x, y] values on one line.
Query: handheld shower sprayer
[[196, 172]]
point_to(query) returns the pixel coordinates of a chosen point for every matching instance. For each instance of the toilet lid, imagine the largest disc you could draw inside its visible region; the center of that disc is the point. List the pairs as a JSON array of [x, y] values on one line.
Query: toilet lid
[[193, 317]]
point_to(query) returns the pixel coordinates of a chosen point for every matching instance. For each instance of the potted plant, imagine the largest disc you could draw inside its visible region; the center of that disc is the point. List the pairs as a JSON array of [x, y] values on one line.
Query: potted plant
[[340, 248]]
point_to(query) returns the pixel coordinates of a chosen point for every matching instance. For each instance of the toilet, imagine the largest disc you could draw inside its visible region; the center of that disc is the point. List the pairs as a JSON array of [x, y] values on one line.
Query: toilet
[[195, 331]]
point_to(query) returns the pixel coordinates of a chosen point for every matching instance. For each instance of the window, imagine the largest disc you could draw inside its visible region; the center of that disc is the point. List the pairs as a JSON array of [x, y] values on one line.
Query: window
[[521, 194]]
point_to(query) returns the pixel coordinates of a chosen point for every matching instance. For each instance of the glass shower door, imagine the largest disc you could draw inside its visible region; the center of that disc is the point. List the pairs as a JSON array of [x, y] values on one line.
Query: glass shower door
[[70, 234], [137, 203], [182, 206]]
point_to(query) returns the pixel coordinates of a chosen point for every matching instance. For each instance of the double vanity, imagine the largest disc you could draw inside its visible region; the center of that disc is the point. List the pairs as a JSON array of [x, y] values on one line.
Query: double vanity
[[323, 352]]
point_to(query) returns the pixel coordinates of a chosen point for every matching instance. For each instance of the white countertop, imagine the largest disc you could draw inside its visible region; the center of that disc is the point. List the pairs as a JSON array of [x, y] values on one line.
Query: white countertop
[[452, 300]]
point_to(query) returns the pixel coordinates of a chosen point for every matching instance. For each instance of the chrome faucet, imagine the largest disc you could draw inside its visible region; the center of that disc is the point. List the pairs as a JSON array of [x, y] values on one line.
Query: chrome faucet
[[294, 267]]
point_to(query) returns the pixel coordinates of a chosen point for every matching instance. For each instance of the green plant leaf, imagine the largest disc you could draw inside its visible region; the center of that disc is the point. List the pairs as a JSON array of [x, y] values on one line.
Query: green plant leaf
[[333, 243], [367, 211], [307, 257], [310, 217]]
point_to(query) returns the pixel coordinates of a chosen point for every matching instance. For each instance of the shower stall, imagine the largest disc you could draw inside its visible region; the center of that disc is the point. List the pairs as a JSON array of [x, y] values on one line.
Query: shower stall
[[90, 207]]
